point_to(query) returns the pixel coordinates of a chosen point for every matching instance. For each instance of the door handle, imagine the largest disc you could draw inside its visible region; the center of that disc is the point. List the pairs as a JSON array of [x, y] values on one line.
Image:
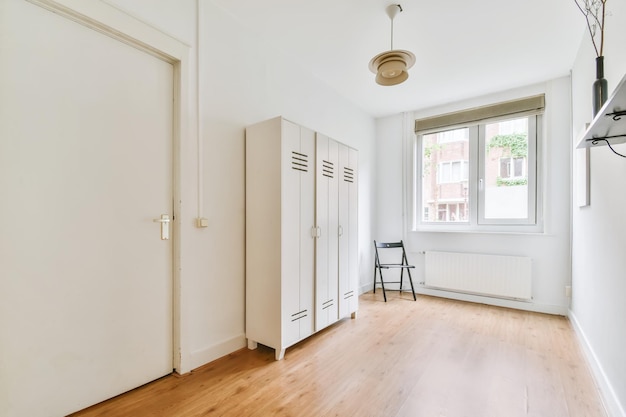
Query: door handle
[[165, 226]]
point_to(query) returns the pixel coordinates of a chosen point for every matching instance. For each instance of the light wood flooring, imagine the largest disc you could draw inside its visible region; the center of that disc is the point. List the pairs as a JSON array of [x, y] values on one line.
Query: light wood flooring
[[431, 357]]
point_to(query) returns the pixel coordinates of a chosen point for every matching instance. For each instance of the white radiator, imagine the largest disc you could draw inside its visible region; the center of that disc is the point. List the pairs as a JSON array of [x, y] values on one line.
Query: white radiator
[[492, 275]]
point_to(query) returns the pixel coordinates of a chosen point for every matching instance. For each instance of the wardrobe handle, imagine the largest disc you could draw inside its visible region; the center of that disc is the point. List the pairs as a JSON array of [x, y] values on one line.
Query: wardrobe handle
[[340, 230]]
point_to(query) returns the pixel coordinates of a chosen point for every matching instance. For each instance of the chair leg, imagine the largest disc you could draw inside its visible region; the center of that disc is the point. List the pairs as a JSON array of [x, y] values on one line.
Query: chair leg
[[412, 288], [382, 284], [374, 290]]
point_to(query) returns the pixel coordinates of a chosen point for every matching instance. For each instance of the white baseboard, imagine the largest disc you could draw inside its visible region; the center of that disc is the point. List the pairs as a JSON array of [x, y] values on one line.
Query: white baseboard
[[607, 393], [211, 353], [500, 302]]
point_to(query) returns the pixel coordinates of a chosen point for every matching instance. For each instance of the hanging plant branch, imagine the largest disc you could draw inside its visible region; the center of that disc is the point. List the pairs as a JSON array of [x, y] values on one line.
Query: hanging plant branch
[[517, 143], [594, 12]]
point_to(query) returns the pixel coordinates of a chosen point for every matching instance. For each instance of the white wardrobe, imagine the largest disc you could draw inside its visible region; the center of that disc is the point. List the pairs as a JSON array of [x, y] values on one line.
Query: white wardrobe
[[301, 233]]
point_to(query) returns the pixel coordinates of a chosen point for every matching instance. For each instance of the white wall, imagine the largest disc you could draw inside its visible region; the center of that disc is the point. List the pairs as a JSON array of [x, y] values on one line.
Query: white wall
[[599, 230], [550, 251], [242, 80]]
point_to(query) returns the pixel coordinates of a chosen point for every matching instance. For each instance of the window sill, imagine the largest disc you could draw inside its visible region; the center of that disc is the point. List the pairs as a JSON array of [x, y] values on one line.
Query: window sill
[[525, 230]]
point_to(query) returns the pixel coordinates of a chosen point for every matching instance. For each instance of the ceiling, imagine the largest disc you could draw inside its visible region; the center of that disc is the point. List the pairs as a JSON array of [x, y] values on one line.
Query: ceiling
[[463, 49]]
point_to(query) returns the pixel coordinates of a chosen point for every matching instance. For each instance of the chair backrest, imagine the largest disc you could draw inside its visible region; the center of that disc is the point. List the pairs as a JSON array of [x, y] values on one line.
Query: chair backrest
[[389, 245]]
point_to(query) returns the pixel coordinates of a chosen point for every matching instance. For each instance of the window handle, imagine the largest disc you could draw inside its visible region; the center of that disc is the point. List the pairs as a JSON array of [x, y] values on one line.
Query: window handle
[[480, 184]]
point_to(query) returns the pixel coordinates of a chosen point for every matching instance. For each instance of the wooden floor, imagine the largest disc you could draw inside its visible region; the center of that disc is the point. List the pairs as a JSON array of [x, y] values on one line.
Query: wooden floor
[[431, 357]]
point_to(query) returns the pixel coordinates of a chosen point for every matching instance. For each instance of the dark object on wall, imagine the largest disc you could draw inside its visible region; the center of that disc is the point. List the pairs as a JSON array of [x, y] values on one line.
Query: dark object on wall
[[600, 88]]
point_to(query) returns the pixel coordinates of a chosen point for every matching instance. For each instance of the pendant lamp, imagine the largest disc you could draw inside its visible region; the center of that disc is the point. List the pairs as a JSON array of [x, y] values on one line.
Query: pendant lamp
[[391, 66]]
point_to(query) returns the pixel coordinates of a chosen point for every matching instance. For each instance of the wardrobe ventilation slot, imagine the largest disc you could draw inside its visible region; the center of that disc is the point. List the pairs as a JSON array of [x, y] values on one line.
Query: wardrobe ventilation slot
[[328, 169], [299, 161], [299, 315], [348, 174]]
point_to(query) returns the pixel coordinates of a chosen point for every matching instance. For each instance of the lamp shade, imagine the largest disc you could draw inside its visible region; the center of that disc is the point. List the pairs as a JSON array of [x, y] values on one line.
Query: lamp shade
[[391, 67]]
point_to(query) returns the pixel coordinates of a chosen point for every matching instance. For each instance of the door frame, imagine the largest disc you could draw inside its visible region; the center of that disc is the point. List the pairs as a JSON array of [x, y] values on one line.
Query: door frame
[[125, 28]]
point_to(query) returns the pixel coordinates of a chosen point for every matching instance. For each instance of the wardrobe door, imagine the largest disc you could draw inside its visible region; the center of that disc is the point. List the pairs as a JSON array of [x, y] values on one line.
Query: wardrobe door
[[327, 221], [348, 234], [297, 244], [307, 240], [265, 156]]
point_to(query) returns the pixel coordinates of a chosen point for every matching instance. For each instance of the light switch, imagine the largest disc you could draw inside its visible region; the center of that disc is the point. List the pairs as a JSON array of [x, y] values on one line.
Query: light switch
[[202, 222]]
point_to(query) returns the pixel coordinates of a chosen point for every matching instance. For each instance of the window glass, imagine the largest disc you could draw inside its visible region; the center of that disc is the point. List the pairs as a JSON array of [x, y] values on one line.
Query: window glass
[[506, 156], [445, 170]]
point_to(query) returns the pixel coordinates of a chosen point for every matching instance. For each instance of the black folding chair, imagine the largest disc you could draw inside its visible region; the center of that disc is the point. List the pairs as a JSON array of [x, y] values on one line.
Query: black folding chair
[[402, 266]]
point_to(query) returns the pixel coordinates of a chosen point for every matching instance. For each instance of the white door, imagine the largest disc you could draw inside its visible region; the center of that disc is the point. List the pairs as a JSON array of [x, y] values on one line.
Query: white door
[[85, 167]]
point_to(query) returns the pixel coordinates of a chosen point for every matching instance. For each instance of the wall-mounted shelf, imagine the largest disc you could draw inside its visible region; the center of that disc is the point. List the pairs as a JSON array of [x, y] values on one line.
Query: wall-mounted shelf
[[610, 122]]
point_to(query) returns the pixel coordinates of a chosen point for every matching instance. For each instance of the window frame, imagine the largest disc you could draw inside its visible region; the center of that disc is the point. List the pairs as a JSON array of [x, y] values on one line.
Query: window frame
[[476, 220]]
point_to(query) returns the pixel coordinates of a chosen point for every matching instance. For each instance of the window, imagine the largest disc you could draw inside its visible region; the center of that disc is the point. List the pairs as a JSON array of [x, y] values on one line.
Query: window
[[452, 171], [512, 167], [478, 175]]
